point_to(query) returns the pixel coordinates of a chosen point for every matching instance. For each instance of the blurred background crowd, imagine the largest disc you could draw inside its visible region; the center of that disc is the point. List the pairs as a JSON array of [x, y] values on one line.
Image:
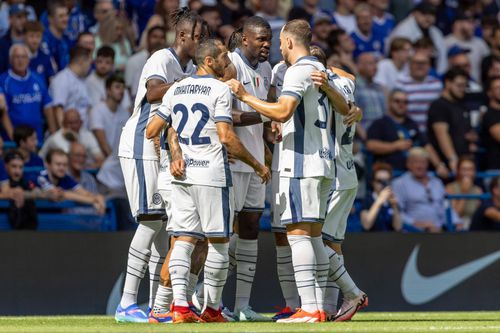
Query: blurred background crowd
[[427, 78]]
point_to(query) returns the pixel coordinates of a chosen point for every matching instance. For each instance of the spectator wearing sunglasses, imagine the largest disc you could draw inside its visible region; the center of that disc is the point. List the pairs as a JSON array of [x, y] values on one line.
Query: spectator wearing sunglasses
[[420, 195], [381, 211]]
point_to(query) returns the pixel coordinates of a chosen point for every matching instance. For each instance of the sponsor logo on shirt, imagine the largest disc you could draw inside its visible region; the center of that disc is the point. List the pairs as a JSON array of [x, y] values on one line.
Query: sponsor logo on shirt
[[325, 153], [350, 164], [194, 163]]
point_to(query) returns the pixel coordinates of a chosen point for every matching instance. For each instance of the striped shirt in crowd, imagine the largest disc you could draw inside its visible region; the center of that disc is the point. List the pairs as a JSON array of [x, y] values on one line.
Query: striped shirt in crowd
[[420, 96], [371, 98]]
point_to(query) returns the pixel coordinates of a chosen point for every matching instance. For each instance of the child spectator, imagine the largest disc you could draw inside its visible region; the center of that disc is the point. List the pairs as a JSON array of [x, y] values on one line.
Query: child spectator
[[40, 62], [381, 211]]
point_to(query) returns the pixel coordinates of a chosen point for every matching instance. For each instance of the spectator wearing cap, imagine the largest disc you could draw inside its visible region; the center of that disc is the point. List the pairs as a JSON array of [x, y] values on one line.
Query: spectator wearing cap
[[68, 86], [487, 217], [133, 68], [4, 14], [389, 69], [78, 22], [269, 10], [343, 15], [366, 38], [383, 22], [420, 195], [448, 125], [54, 42], [369, 95], [421, 87], [15, 34], [321, 28], [420, 23], [28, 100], [40, 62], [55, 180], [463, 36], [72, 130], [96, 81], [490, 127]]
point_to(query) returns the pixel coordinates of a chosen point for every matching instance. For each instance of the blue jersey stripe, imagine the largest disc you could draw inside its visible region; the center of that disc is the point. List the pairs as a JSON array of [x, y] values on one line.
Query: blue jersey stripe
[[227, 170], [141, 128], [226, 210], [299, 120], [143, 195], [295, 196]]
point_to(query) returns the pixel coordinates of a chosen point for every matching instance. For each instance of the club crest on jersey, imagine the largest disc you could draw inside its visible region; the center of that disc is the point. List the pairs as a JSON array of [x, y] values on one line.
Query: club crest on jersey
[[325, 153], [194, 163], [157, 198]]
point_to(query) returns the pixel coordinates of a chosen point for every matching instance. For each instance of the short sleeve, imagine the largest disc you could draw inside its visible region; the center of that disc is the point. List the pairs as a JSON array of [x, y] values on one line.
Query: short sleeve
[[296, 81], [223, 107], [96, 120], [376, 130], [164, 111], [58, 90], [69, 183], [47, 100], [156, 67], [43, 183], [438, 113], [91, 144]]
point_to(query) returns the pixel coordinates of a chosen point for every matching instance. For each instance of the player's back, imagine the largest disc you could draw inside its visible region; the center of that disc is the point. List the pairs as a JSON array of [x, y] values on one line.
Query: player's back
[[162, 65], [256, 80], [193, 106], [308, 148]]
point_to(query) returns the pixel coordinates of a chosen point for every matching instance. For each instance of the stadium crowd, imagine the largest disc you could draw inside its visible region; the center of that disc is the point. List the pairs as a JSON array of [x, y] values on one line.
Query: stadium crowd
[[427, 80]]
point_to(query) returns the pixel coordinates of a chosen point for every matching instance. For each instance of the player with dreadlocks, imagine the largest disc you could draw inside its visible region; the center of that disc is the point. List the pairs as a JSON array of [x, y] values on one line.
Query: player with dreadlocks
[[144, 178]]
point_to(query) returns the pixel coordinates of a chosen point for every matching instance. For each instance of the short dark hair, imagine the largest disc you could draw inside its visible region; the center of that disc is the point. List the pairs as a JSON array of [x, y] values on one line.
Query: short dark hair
[[207, 48], [53, 5], [13, 154], [489, 82], [52, 152], [453, 73], [235, 39], [255, 22], [318, 52], [79, 52], [156, 27], [34, 26], [81, 34], [114, 78], [22, 132], [333, 38], [495, 182], [300, 30], [106, 52]]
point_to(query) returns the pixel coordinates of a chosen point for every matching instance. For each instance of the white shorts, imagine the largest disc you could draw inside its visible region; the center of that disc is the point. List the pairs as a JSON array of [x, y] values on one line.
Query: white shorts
[[339, 207], [249, 192], [166, 196], [202, 211], [141, 183], [276, 204], [303, 199]]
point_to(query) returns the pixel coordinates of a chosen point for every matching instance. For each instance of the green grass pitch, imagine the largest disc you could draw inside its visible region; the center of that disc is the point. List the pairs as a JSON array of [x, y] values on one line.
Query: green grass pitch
[[363, 322]]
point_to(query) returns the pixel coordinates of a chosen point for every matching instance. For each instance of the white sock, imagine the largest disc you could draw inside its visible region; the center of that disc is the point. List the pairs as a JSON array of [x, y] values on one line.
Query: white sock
[[287, 276], [338, 274], [246, 258], [216, 267], [159, 250], [193, 280], [232, 254], [138, 258], [304, 265], [322, 268], [179, 266], [163, 299]]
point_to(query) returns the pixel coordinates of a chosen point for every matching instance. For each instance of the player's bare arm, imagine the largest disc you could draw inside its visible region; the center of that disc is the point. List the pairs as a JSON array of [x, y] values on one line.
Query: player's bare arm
[[177, 164], [320, 80], [233, 144], [280, 111], [156, 89]]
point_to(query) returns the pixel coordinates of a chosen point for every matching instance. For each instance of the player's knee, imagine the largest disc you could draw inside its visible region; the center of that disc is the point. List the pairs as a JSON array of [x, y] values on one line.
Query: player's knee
[[337, 247], [248, 225], [280, 238]]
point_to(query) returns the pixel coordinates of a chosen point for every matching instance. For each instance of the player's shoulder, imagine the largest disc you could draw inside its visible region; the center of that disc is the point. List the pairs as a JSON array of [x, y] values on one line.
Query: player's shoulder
[[342, 73], [280, 67], [161, 56]]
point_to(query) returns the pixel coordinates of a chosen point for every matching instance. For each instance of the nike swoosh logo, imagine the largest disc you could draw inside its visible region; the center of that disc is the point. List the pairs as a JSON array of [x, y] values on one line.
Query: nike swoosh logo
[[245, 83], [418, 289]]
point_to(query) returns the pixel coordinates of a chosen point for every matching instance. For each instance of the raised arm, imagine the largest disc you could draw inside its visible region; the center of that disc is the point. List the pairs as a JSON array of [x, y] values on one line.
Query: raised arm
[[156, 89]]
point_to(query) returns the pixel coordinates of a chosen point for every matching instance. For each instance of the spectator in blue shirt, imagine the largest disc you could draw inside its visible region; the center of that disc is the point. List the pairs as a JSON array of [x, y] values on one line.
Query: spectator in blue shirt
[[54, 41], [7, 129], [40, 62], [55, 179], [26, 93], [17, 19], [77, 21], [26, 141], [383, 22], [365, 37]]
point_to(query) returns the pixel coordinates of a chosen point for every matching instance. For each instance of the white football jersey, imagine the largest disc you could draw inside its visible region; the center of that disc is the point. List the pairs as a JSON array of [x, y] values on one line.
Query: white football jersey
[[193, 106], [164, 175], [308, 148], [345, 177], [256, 81], [163, 65], [277, 81]]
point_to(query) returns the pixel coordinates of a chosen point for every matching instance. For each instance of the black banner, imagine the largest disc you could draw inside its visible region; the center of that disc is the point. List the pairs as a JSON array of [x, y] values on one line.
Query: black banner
[[82, 273]]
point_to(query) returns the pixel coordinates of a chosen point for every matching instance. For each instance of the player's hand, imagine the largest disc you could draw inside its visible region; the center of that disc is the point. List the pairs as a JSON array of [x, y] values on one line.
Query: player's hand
[[442, 171], [319, 79], [99, 204], [177, 168], [276, 128], [264, 173], [231, 158], [237, 88], [354, 115]]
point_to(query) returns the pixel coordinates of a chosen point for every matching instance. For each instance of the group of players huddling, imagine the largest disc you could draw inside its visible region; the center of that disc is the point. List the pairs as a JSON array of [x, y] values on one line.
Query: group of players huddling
[[189, 173]]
